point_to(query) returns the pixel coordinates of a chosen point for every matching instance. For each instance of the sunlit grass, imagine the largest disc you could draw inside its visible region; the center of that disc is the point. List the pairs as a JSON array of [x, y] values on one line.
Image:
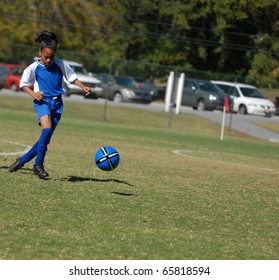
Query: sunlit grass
[[178, 193]]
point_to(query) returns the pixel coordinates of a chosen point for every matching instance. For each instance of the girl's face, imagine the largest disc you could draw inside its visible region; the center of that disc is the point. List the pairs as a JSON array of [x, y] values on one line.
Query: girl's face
[[47, 55]]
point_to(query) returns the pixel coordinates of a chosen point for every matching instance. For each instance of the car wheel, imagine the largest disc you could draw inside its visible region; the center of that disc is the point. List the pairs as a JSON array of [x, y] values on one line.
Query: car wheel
[[117, 97], [91, 95], [13, 87], [242, 110], [67, 92], [201, 105]]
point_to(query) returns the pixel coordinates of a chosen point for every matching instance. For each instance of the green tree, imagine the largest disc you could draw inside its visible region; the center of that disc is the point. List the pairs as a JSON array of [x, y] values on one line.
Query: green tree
[[72, 20], [211, 35]]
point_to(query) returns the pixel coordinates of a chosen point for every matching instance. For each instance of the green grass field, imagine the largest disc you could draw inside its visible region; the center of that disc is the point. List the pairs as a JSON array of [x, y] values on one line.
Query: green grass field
[[178, 192]]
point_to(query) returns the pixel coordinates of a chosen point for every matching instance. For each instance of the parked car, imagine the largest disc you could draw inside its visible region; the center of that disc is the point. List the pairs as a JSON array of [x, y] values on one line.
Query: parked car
[[202, 95], [247, 99], [123, 88], [13, 75], [3, 76], [87, 79], [276, 103], [148, 86]]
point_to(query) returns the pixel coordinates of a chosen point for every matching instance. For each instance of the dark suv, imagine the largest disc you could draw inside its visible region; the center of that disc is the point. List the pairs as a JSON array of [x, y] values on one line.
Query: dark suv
[[3, 76], [276, 103], [202, 95]]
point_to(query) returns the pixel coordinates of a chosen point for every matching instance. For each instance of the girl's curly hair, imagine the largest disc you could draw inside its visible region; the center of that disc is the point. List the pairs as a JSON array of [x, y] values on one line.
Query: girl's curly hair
[[47, 40]]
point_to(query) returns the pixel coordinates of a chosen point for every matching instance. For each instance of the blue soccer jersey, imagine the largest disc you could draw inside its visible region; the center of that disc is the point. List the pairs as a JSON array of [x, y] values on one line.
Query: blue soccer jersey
[[48, 79]]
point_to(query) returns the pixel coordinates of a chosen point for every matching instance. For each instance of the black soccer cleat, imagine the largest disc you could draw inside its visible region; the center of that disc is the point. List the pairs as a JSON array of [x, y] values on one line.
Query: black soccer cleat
[[16, 165], [40, 171]]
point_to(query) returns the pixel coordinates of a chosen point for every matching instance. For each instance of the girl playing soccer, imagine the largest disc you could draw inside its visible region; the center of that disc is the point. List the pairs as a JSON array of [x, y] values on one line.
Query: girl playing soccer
[[46, 75]]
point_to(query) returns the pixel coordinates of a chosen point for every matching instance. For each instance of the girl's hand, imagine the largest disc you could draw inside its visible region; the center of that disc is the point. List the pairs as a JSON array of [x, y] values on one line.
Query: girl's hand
[[87, 90], [39, 95]]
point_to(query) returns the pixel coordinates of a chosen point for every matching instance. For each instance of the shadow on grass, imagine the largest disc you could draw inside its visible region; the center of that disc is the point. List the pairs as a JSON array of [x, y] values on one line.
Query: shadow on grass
[[82, 179], [124, 194], [24, 170], [21, 169]]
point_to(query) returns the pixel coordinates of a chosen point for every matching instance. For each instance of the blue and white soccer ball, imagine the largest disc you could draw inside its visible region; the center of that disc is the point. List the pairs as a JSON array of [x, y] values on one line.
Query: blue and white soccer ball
[[107, 158]]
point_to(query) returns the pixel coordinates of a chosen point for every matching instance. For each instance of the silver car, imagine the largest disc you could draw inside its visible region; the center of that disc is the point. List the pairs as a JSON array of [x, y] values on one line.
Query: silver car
[[85, 78], [123, 88]]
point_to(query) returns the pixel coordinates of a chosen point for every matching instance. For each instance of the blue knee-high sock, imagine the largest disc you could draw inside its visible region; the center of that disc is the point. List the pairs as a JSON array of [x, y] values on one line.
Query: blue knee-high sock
[[30, 154], [42, 145]]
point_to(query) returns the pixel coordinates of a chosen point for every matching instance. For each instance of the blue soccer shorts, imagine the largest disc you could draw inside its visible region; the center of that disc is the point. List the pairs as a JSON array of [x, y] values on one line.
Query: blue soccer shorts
[[52, 106]]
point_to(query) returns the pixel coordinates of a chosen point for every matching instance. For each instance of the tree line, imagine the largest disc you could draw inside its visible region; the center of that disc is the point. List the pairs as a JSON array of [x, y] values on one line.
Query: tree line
[[227, 36]]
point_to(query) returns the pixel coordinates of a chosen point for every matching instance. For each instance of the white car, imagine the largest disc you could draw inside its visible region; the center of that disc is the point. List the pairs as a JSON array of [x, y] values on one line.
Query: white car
[[247, 99], [85, 77]]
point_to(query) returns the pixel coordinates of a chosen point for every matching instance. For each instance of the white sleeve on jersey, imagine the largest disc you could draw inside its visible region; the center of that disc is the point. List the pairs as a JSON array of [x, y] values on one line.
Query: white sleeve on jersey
[[28, 77], [68, 72]]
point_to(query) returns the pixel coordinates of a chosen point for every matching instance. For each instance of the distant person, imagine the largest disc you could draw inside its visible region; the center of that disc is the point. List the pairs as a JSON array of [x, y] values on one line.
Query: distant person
[[46, 75]]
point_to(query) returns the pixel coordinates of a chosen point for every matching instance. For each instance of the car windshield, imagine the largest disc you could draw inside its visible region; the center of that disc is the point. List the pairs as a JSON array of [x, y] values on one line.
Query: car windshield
[[17, 71], [3, 71], [206, 86], [252, 92], [79, 69], [125, 81]]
